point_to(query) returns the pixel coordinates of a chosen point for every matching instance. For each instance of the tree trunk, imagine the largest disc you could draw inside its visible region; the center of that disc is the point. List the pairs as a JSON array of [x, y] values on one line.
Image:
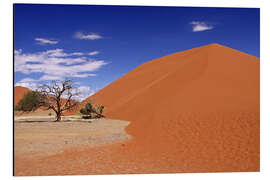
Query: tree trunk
[[58, 117]]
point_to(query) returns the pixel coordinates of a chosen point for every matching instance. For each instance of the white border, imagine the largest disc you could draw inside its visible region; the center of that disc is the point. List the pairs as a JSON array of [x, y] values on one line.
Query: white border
[[202, 3], [6, 85]]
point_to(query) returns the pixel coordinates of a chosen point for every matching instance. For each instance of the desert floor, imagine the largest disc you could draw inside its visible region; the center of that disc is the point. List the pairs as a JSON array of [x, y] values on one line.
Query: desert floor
[[38, 137], [76, 147]]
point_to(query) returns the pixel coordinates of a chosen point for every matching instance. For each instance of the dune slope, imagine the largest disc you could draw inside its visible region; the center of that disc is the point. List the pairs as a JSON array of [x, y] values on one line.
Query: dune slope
[[19, 92], [200, 106]]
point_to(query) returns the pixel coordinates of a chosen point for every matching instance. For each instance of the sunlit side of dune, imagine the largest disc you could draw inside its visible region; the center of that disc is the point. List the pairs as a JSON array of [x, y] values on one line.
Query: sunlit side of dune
[[200, 106]]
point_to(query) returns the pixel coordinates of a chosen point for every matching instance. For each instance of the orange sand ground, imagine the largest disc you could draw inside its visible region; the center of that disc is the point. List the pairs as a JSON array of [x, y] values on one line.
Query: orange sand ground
[[192, 111]]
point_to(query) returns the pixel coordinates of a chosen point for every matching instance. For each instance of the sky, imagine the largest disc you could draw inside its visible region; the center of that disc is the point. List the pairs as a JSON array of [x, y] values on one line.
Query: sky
[[95, 45]]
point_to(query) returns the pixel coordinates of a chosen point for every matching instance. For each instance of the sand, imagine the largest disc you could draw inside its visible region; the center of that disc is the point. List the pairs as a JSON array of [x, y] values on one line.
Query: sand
[[201, 106], [40, 138], [192, 111], [19, 92]]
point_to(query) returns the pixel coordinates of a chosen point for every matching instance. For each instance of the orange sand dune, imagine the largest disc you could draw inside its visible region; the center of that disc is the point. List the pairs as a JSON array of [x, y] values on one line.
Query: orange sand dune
[[200, 106], [19, 92]]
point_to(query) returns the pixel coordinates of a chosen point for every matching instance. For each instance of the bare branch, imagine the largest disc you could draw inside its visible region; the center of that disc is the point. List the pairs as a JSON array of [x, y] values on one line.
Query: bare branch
[[54, 96]]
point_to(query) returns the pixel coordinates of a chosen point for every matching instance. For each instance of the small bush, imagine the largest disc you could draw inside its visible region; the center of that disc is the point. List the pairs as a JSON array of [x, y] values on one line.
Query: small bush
[[89, 111], [100, 109], [30, 101]]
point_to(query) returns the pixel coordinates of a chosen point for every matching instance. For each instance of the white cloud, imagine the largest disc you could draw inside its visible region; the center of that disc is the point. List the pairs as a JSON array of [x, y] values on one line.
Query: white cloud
[[93, 53], [32, 86], [50, 77], [85, 92], [77, 54], [200, 26], [61, 53], [56, 64], [17, 51], [91, 36], [28, 82], [84, 75], [45, 41]]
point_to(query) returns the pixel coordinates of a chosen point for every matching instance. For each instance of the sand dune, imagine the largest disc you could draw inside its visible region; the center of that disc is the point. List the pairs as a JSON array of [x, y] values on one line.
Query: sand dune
[[201, 106], [19, 92]]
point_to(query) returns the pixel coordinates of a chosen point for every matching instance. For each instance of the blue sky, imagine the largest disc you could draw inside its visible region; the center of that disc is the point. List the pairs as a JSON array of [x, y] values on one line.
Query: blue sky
[[95, 45]]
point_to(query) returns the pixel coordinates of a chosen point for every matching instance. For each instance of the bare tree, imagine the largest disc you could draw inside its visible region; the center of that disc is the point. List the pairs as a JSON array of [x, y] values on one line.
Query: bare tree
[[58, 96]]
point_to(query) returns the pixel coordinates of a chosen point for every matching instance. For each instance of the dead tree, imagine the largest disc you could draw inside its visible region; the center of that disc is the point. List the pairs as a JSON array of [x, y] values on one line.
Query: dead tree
[[58, 96]]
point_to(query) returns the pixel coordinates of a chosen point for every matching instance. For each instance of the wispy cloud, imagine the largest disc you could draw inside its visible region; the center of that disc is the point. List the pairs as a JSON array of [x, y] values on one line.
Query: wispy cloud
[[201, 26], [45, 41], [56, 64], [93, 53], [84, 91], [90, 36], [28, 82]]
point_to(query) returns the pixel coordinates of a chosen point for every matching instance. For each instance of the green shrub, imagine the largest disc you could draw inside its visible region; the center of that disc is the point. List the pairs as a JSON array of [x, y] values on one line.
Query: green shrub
[[100, 109], [89, 111], [30, 101]]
